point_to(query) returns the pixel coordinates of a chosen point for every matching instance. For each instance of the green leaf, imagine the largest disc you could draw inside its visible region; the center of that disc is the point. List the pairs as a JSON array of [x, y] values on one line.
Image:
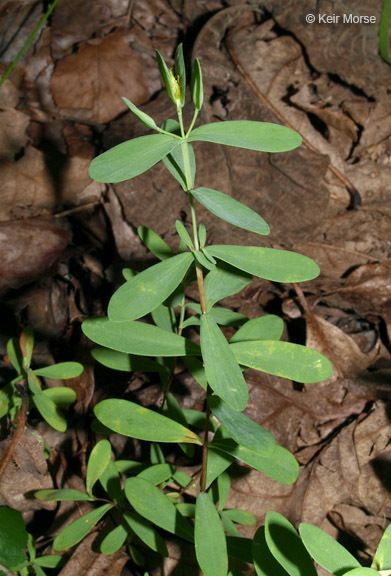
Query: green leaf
[[186, 509], [268, 327], [224, 281], [110, 481], [242, 429], [229, 526], [15, 355], [76, 531], [240, 548], [49, 411], [175, 164], [240, 517], [260, 136], [146, 532], [264, 562], [38, 570], [49, 561], [158, 473], [152, 504], [125, 362], [62, 396], [326, 551], [268, 263], [196, 369], [142, 116], [209, 256], [286, 546], [180, 71], [222, 370], [210, 543], [384, 42], [222, 316], [113, 541], [197, 90], [231, 210], [164, 318], [362, 572], [183, 234], [147, 290], [131, 158], [132, 420], [218, 462], [281, 465], [6, 395], [97, 463], [284, 359], [219, 491], [154, 243], [202, 234], [62, 495], [138, 338], [203, 260], [61, 371], [13, 538], [382, 558]]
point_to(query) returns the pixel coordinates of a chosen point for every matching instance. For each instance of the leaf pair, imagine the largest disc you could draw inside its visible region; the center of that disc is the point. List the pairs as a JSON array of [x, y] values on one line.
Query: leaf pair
[[278, 551]]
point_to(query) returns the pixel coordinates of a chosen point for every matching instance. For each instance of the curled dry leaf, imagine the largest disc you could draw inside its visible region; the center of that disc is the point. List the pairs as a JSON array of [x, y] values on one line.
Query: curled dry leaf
[[26, 471], [88, 85], [348, 359], [351, 471], [29, 249]]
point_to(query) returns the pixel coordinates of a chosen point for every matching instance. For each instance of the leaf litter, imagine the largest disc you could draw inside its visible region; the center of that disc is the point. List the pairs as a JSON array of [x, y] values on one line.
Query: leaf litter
[[64, 238]]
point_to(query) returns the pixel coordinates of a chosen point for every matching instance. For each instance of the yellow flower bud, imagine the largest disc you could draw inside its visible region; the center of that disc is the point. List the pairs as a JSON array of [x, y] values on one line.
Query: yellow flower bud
[[175, 86]]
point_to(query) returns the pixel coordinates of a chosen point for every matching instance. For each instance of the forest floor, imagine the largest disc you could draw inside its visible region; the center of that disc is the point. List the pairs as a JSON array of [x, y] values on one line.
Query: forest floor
[[64, 238]]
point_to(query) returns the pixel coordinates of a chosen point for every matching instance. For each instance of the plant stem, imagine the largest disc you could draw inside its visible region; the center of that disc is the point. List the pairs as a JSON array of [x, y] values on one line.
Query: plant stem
[[205, 445], [201, 291], [192, 122], [28, 42]]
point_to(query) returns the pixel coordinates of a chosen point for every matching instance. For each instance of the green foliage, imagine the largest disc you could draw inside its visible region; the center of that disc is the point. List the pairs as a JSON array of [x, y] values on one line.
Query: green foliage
[[26, 386], [13, 539], [144, 331], [259, 136], [210, 543]]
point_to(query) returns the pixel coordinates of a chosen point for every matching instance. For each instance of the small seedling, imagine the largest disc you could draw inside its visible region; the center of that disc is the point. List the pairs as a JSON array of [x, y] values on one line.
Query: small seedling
[[26, 386]]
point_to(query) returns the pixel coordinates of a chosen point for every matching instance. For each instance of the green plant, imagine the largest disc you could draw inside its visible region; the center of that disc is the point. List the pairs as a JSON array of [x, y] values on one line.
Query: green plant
[[158, 296], [14, 539], [279, 551], [26, 388]]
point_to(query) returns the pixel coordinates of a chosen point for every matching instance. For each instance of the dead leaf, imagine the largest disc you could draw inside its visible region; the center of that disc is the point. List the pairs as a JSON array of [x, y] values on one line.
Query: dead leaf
[[85, 562], [338, 346], [29, 249], [88, 85], [13, 137], [26, 472]]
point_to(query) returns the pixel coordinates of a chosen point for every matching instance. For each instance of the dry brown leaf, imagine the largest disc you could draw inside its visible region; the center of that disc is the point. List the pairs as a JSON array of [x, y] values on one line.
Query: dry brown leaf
[[348, 359], [350, 51], [88, 85], [28, 249], [367, 289], [351, 471], [85, 562], [26, 472], [80, 20], [13, 137]]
